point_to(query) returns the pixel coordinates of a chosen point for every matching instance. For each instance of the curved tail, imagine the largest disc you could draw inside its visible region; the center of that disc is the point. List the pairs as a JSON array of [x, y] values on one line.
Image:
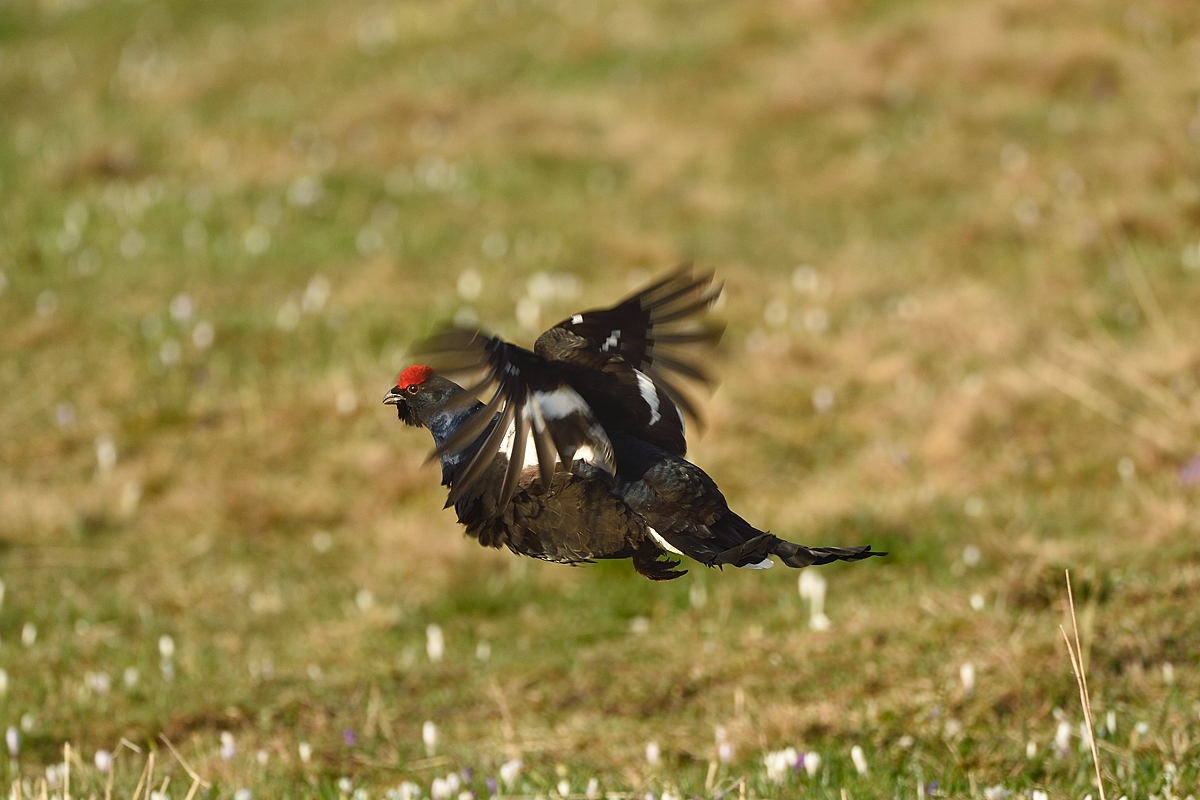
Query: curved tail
[[733, 541], [797, 555]]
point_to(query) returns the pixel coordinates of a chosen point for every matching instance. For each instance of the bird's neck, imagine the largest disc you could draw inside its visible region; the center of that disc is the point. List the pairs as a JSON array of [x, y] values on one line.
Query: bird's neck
[[442, 424]]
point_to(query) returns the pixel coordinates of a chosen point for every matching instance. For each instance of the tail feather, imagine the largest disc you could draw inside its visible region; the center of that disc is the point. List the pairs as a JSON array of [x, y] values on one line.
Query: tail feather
[[755, 550], [737, 543], [797, 555]]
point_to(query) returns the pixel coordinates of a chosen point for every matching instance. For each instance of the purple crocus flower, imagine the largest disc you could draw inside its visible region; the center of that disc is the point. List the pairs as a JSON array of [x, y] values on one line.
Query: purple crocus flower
[[349, 737], [1189, 473]]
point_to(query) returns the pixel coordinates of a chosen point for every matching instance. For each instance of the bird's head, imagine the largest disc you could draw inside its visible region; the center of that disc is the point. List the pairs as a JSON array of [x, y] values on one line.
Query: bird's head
[[418, 391]]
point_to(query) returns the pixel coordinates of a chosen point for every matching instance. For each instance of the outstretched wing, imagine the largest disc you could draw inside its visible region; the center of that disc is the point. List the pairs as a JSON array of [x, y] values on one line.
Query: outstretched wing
[[624, 360], [530, 404]]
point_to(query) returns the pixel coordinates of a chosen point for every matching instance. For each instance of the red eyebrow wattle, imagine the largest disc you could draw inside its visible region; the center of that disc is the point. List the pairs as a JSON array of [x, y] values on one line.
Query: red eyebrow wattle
[[417, 373]]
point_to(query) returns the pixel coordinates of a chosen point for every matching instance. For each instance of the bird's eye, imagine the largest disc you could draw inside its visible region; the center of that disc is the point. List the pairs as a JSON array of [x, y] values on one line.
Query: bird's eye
[[416, 387]]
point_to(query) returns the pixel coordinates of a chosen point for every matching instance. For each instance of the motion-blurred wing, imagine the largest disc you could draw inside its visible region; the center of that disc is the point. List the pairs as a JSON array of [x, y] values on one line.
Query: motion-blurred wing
[[531, 403], [624, 360]]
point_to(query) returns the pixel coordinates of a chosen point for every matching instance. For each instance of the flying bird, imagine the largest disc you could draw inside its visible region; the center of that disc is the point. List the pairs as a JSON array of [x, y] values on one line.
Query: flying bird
[[578, 452]]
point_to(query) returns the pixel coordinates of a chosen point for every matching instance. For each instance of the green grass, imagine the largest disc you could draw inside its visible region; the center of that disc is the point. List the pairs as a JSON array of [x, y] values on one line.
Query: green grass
[[994, 197]]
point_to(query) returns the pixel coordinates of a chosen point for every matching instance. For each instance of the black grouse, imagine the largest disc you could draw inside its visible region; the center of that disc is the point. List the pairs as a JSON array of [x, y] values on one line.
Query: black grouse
[[578, 453]]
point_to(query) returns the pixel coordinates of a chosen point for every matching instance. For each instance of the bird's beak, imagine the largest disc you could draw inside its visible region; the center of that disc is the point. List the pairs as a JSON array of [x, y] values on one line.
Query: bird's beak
[[394, 397]]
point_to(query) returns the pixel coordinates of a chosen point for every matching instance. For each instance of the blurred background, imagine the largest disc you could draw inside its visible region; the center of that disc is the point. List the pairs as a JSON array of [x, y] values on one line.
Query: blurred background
[[961, 247]]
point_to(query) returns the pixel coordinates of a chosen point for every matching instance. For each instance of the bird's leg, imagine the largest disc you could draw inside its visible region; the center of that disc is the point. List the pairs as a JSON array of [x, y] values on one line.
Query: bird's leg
[[646, 561]]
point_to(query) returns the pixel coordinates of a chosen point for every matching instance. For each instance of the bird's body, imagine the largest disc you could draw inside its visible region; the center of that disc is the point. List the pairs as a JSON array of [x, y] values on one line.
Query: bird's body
[[578, 455]]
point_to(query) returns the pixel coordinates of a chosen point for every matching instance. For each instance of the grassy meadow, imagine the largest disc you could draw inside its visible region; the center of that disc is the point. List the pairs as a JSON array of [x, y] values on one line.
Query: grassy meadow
[[961, 250]]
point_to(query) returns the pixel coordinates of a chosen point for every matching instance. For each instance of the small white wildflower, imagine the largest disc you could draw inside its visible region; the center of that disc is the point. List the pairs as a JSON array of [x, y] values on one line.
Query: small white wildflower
[[812, 763], [1038, 794], [12, 738], [228, 747], [435, 642], [510, 771], [305, 191], [182, 307], [528, 313], [203, 335], [670, 794], [438, 789], [1062, 737], [106, 454], [822, 399], [1110, 722], [257, 240], [364, 599], [466, 317], [1030, 749], [639, 626], [103, 761], [470, 284], [369, 241], [3, 682], [408, 791], [812, 586], [996, 792], [28, 634], [305, 750], [47, 303], [1168, 672], [592, 792], [100, 682], [725, 752], [805, 280], [288, 316], [776, 313], [653, 754], [1142, 728], [973, 507], [564, 787], [130, 677], [262, 757], [977, 602], [483, 651], [360, 794], [859, 758], [779, 763], [64, 417], [316, 294], [242, 794], [345, 785], [429, 735], [166, 646], [966, 674], [971, 554], [346, 401], [816, 320]]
